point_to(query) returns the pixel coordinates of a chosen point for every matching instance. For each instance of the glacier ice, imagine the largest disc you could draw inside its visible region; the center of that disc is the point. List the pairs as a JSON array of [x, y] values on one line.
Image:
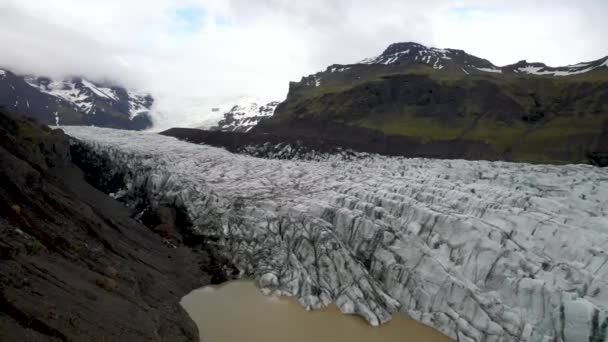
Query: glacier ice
[[481, 251]]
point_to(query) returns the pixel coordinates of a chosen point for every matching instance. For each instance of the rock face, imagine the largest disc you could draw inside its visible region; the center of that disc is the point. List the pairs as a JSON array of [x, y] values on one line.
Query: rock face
[[242, 118], [75, 101], [74, 265], [526, 112], [482, 251]]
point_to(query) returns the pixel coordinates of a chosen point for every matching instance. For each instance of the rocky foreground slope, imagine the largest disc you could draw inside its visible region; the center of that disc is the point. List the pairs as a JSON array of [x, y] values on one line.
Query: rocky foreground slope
[[74, 265], [435, 99], [482, 251]]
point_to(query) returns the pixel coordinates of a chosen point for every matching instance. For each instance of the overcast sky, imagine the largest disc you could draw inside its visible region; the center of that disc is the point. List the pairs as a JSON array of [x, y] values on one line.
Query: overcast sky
[[193, 53]]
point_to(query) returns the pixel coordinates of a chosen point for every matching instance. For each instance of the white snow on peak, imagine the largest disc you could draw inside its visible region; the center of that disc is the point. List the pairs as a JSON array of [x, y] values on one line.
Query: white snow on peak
[[572, 72], [81, 97], [137, 103], [385, 59], [99, 91], [497, 71], [430, 56], [136, 107], [65, 90], [246, 111], [234, 114], [243, 117], [339, 69], [2, 73], [482, 251], [533, 70], [582, 64], [575, 69], [313, 80]]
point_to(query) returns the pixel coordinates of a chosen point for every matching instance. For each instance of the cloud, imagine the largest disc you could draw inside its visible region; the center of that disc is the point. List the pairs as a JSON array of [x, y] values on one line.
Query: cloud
[[195, 54], [556, 32]]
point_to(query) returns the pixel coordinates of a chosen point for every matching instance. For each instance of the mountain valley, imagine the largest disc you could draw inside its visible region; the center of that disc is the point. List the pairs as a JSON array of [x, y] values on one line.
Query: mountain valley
[[422, 182]]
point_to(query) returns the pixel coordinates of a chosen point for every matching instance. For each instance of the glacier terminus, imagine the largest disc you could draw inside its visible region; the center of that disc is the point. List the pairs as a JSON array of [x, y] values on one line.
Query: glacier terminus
[[481, 251]]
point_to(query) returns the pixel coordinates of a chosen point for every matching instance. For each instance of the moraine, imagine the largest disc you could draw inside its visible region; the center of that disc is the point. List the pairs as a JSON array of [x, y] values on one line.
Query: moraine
[[481, 251]]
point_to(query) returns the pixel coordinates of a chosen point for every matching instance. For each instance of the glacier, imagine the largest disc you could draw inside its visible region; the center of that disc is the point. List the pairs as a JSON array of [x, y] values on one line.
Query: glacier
[[481, 251]]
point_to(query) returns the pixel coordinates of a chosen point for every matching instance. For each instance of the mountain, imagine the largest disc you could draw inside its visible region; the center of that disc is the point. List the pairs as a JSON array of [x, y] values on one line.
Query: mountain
[[75, 101], [406, 54], [445, 102], [242, 118]]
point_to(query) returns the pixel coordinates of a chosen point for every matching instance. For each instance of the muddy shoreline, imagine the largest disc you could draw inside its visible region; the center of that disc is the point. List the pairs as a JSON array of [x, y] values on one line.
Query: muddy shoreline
[[218, 309]]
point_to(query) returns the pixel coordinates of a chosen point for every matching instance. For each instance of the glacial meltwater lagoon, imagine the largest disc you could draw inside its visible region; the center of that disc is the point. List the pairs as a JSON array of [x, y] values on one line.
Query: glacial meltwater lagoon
[[238, 311]]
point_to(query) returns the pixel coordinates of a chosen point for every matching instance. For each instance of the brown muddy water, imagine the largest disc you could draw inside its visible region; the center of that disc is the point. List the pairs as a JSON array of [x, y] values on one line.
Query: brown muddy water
[[237, 311]]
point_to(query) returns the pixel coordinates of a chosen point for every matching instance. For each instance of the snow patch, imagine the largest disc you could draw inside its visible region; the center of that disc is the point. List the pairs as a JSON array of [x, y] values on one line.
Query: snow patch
[[497, 71], [385, 59], [339, 69], [570, 70], [99, 91], [437, 65], [533, 70]]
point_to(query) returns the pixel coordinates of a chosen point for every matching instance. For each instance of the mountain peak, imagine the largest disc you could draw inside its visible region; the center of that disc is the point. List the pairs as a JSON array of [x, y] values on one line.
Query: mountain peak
[[411, 53], [406, 53], [402, 47]]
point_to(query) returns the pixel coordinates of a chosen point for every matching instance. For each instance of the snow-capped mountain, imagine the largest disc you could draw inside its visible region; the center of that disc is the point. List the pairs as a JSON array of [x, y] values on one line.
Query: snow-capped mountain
[[399, 57], [482, 251], [414, 53], [75, 101], [447, 100], [524, 67], [400, 54], [242, 118], [410, 53]]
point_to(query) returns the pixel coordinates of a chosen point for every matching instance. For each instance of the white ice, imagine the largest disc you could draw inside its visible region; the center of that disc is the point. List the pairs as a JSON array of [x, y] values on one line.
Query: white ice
[[482, 251]]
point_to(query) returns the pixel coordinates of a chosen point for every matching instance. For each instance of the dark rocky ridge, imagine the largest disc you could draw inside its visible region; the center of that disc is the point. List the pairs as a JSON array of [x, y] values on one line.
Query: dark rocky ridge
[[336, 138], [331, 138], [75, 265]]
